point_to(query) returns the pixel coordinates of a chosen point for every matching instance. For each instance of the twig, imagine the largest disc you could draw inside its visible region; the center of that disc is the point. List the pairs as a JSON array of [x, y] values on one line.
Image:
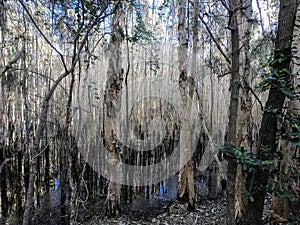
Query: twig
[[255, 95], [224, 74], [37, 155], [225, 5], [260, 18]]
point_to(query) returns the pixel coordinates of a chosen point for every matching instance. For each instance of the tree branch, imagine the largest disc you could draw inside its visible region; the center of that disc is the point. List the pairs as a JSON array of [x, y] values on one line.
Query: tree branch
[[225, 5], [43, 35], [260, 18], [12, 61], [256, 97], [214, 40], [4, 163]]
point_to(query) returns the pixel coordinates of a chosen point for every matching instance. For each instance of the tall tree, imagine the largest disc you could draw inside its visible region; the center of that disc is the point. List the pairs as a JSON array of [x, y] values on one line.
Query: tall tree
[[267, 141], [288, 165], [233, 7], [244, 120], [111, 106], [186, 86]]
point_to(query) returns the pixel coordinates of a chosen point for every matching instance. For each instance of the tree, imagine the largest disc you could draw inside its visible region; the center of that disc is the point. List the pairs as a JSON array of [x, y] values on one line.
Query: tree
[[273, 108], [83, 33], [111, 106], [233, 108], [244, 117], [186, 87], [286, 179]]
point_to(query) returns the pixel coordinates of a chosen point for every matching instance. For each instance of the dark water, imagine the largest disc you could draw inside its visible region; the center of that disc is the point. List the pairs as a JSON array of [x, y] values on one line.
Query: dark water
[[168, 188]]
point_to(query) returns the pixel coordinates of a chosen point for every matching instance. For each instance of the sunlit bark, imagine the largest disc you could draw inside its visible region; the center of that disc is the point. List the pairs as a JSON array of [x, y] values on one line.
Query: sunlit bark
[[186, 87], [113, 87]]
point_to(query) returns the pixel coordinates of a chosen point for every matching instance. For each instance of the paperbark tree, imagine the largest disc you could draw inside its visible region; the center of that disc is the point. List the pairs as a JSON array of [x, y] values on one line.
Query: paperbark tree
[[244, 118], [267, 141], [111, 106], [186, 87]]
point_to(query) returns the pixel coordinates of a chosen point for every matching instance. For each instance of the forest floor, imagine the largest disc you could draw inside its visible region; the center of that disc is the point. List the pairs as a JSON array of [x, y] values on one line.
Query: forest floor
[[173, 212], [207, 212], [155, 211]]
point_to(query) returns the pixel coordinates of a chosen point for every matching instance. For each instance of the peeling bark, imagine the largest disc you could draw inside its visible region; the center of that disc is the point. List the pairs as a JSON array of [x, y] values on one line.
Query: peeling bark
[[186, 87], [113, 87]]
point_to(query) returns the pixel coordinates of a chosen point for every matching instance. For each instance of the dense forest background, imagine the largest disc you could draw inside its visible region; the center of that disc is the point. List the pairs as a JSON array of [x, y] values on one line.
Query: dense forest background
[[105, 102]]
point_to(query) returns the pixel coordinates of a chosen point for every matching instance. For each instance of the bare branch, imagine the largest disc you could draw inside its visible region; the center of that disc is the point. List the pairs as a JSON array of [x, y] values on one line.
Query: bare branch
[[214, 40], [12, 61], [4, 163], [43, 35], [256, 97], [260, 18], [224, 74], [225, 5], [41, 152]]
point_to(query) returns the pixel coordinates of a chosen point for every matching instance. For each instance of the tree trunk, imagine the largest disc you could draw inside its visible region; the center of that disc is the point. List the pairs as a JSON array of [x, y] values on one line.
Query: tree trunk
[[244, 120], [233, 109], [3, 119], [113, 88], [289, 163], [186, 86], [273, 108]]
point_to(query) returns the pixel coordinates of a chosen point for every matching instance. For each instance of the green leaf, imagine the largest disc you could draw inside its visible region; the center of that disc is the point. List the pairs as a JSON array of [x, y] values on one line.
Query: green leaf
[[266, 162], [251, 199], [296, 143]]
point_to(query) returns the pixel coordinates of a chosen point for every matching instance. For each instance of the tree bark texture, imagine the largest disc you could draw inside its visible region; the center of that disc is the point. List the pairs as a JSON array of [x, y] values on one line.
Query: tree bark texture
[[113, 88], [267, 141], [186, 86], [244, 118], [289, 163], [233, 109]]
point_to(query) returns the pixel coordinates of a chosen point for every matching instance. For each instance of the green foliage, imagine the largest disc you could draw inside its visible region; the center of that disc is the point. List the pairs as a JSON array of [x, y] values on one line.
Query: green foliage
[[276, 75], [140, 31], [246, 158], [248, 195], [293, 219], [295, 134], [282, 190]]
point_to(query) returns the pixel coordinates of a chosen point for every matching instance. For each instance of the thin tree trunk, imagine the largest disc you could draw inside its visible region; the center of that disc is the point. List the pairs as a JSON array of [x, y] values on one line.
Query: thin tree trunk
[[233, 109], [3, 160], [39, 133]]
